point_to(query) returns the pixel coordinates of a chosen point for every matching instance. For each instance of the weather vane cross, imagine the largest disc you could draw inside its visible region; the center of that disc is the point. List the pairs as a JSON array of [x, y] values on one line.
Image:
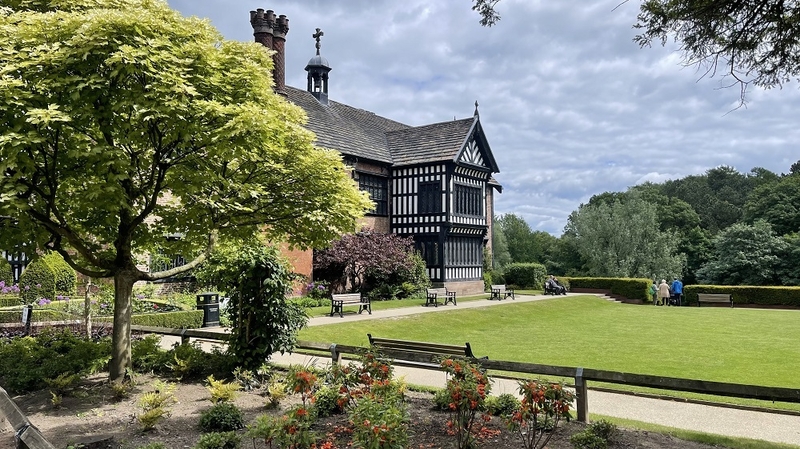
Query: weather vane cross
[[316, 36]]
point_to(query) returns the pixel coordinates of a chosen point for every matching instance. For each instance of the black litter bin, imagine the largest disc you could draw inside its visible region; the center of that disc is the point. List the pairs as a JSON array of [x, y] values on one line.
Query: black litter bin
[[209, 304]]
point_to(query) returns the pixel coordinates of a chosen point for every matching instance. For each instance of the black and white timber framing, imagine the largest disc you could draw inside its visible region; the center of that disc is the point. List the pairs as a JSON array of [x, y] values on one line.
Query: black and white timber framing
[[432, 183]]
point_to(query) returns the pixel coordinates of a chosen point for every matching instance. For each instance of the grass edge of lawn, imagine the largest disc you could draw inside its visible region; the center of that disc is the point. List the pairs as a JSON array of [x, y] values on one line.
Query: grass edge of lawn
[[693, 435]]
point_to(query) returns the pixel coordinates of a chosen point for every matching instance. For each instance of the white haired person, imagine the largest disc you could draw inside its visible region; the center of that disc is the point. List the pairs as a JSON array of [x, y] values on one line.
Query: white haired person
[[663, 293]]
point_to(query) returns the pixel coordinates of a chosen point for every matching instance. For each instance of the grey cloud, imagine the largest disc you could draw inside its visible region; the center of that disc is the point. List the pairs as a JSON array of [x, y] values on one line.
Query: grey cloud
[[571, 106]]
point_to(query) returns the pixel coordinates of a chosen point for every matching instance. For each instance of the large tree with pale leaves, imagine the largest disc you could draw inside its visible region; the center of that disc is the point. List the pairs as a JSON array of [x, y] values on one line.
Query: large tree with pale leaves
[[123, 122], [622, 238]]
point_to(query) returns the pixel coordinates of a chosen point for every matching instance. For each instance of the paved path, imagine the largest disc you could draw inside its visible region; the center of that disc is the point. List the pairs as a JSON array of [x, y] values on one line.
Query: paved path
[[704, 418]]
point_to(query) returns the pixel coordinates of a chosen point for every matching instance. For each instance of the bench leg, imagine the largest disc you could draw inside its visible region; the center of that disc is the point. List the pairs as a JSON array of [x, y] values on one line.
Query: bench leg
[[337, 307]]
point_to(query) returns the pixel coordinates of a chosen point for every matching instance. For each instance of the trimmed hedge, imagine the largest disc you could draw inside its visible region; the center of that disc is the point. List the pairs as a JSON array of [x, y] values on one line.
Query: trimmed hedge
[[10, 299], [767, 296], [629, 288], [65, 278], [189, 319], [37, 281], [525, 275], [6, 273], [15, 316]]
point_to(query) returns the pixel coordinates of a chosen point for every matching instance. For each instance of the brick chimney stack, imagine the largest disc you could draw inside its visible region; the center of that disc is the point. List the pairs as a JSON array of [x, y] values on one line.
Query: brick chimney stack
[[270, 31], [280, 31]]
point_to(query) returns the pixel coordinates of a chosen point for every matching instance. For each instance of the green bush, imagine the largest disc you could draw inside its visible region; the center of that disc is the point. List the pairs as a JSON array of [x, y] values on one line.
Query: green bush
[[148, 356], [441, 400], [182, 361], [503, 405], [308, 302], [6, 273], [26, 361], [326, 401], [596, 436], [604, 429], [629, 288], [65, 278], [221, 417], [587, 440], [37, 281], [216, 440], [525, 275]]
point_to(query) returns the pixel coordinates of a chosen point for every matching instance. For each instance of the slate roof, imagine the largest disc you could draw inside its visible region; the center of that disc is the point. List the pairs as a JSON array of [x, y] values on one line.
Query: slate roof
[[360, 133], [349, 130], [429, 143]]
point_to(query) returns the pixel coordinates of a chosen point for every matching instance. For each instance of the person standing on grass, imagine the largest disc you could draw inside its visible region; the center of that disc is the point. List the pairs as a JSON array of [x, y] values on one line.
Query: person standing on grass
[[663, 293], [677, 290], [654, 293]]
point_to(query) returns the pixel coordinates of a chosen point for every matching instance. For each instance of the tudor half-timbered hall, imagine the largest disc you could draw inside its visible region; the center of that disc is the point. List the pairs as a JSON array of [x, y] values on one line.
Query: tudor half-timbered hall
[[433, 182]]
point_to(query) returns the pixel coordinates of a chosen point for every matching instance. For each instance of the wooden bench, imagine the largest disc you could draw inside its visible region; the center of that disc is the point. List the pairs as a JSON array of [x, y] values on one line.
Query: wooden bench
[[433, 294], [417, 353], [338, 301], [720, 298], [500, 292]]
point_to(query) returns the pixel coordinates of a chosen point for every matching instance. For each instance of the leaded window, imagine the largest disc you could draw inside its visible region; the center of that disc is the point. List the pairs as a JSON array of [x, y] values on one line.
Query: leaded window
[[468, 200], [428, 248], [430, 197], [377, 188]]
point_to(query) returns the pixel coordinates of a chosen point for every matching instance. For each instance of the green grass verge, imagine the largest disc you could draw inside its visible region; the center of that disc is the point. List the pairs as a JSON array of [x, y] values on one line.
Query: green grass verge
[[746, 346], [691, 435]]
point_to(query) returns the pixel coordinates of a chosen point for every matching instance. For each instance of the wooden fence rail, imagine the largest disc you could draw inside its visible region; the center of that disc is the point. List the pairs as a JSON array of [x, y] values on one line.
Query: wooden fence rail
[[581, 375]]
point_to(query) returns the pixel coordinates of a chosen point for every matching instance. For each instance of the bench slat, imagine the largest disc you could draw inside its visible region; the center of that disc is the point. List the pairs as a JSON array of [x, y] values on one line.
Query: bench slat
[[715, 298], [424, 349], [338, 301]]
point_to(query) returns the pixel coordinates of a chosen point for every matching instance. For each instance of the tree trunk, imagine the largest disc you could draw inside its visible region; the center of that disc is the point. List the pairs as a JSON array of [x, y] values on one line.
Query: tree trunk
[[121, 336], [87, 309]]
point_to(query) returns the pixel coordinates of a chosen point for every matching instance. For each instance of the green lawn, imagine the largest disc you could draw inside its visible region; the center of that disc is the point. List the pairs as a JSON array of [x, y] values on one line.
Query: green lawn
[[749, 346]]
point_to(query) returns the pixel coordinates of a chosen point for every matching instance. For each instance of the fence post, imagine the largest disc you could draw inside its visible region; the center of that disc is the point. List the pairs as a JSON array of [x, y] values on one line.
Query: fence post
[[581, 400], [184, 338], [25, 431], [336, 356]]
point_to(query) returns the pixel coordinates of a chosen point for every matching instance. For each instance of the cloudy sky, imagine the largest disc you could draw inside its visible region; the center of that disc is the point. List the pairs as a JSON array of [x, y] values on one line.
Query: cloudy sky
[[571, 106]]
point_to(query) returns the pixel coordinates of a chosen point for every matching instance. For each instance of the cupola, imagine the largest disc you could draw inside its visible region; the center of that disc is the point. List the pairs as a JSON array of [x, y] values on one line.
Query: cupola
[[318, 69]]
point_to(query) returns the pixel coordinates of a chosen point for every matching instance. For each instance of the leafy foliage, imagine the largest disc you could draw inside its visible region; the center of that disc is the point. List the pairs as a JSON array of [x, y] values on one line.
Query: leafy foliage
[[624, 239], [25, 362], [37, 281], [119, 111], [6, 275], [744, 255], [219, 440], [221, 417], [543, 405], [467, 387], [256, 280], [65, 278], [222, 391], [526, 275], [755, 40], [368, 260], [776, 203]]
